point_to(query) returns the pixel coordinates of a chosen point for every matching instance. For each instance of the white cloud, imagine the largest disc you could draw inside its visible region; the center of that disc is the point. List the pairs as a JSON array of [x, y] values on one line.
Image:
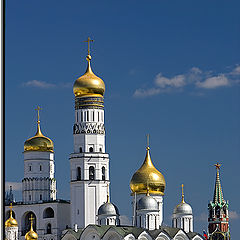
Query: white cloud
[[195, 70], [175, 82], [214, 82], [233, 215], [38, 84], [124, 220], [146, 92], [236, 70], [16, 186]]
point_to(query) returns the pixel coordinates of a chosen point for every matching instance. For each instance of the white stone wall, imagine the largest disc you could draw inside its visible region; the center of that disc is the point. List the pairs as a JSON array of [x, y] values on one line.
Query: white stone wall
[[183, 221], [38, 183], [58, 222], [11, 233], [158, 198]]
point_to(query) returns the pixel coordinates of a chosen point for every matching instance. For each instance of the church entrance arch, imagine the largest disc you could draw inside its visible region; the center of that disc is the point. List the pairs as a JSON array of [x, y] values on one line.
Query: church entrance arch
[[26, 223]]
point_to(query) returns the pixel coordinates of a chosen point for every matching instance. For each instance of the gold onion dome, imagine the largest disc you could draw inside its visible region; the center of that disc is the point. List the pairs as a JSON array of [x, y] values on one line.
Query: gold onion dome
[[88, 83], [31, 235], [11, 222], [148, 178], [38, 142]]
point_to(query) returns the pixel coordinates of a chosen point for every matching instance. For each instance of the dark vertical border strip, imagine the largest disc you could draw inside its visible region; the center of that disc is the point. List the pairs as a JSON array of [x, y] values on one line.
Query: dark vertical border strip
[[3, 4]]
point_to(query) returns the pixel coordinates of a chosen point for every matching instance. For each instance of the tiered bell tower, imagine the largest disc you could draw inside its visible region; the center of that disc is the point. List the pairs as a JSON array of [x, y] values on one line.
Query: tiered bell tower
[[218, 227], [38, 183], [89, 161]]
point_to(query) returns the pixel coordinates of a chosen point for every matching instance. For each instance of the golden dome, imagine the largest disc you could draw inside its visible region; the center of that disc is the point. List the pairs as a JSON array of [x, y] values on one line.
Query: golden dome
[[88, 83], [31, 235], [147, 178], [39, 142], [11, 222]]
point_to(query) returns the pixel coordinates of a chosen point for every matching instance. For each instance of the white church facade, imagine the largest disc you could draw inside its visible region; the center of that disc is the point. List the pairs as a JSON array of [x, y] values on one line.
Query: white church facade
[[90, 214]]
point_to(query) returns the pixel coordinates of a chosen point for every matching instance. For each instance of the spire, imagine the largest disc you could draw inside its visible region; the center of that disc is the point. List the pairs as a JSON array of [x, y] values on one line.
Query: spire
[[89, 69], [182, 194], [218, 195], [39, 133]]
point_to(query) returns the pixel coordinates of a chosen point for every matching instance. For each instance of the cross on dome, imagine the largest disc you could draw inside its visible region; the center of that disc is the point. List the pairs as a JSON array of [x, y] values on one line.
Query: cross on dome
[[38, 115], [217, 166], [88, 41]]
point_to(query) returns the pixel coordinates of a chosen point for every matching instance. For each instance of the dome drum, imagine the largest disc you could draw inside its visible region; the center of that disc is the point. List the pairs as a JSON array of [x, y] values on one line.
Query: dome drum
[[91, 101]]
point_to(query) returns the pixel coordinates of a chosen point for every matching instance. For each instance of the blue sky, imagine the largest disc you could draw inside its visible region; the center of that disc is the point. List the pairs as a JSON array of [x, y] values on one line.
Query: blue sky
[[171, 69]]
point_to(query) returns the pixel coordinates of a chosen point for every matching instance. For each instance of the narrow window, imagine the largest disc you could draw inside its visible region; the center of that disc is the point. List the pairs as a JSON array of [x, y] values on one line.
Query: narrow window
[[98, 116], [103, 173], [30, 168], [91, 149], [183, 223], [29, 197], [40, 168], [140, 221], [107, 221], [91, 173], [81, 116], [87, 116], [49, 228], [80, 149], [102, 116], [93, 116], [100, 149], [78, 173], [40, 196]]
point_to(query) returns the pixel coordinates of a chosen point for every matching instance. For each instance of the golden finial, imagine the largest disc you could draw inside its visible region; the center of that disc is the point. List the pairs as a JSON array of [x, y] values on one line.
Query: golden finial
[[182, 194], [148, 142], [38, 121], [31, 221], [217, 166], [10, 210], [88, 41], [108, 192]]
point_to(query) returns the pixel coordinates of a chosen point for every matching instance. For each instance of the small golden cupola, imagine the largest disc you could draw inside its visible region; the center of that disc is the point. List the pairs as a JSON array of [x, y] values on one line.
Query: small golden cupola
[[11, 222], [31, 235], [38, 142], [147, 178], [88, 83]]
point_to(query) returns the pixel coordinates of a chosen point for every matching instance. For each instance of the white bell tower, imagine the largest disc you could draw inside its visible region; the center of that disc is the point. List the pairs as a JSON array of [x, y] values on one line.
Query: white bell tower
[[38, 183], [89, 162]]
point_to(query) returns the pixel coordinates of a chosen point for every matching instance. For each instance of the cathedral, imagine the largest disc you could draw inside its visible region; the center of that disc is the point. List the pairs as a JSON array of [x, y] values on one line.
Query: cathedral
[[90, 214]]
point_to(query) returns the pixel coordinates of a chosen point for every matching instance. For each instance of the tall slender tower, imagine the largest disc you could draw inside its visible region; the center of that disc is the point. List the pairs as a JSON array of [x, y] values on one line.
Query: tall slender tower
[[38, 183], [89, 162], [218, 227]]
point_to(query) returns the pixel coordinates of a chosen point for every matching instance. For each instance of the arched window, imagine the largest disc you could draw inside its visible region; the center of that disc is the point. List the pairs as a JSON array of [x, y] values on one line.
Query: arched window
[[78, 173], [30, 168], [80, 149], [40, 197], [81, 116], [100, 149], [49, 228], [91, 149], [103, 173], [40, 168], [87, 116], [93, 116], [48, 213], [91, 173], [27, 223]]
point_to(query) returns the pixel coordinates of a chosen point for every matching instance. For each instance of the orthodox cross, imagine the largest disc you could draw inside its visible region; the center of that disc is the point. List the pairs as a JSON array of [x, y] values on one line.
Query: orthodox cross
[[88, 41], [217, 166], [147, 140], [31, 219], [10, 206], [182, 193], [38, 109]]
